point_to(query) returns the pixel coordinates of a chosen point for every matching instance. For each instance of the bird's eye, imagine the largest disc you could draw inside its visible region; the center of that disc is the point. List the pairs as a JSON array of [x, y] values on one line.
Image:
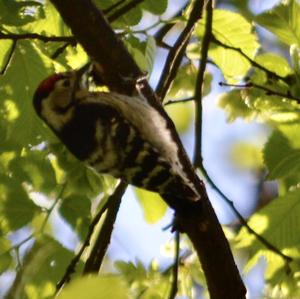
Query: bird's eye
[[66, 83]]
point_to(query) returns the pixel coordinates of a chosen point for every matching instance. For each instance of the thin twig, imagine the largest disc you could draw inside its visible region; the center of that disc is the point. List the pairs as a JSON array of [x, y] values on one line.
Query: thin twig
[[112, 7], [177, 52], [174, 285], [242, 220], [99, 249], [170, 102], [163, 31], [60, 50], [9, 57], [43, 38], [50, 210], [200, 83], [123, 10], [252, 62], [261, 87], [71, 267]]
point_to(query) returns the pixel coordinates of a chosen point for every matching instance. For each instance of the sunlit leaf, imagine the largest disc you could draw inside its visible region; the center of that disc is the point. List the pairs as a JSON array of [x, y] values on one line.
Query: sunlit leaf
[[284, 21], [281, 159], [278, 222], [95, 287], [182, 115], [154, 207], [50, 24], [28, 67], [235, 107], [274, 63], [233, 30]]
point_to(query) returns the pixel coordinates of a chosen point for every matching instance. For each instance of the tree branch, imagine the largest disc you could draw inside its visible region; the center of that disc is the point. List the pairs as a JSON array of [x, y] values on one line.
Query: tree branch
[[170, 102], [99, 249], [198, 220], [174, 285], [177, 51], [163, 31], [43, 38], [112, 7], [71, 268], [200, 84], [9, 57], [123, 10]]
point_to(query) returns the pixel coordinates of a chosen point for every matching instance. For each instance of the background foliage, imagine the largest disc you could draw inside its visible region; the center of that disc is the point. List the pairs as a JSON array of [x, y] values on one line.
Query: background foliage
[[38, 176]]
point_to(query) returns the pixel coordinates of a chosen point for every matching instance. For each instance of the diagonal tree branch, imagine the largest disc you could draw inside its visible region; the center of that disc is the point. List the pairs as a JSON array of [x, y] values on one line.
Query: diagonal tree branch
[[177, 51], [200, 84], [123, 10], [9, 57], [117, 195], [99, 249]]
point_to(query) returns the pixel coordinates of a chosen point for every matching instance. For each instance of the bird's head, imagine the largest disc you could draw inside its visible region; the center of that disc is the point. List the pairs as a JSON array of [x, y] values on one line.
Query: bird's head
[[56, 90], [56, 96]]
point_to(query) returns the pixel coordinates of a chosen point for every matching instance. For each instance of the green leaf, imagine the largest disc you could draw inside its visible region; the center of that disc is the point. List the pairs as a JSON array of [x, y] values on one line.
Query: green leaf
[[131, 271], [95, 287], [233, 30], [6, 259], [34, 169], [5, 47], [279, 223], [43, 266], [16, 208], [280, 158], [27, 68], [235, 107], [271, 106], [143, 52], [150, 53], [76, 210], [50, 24], [182, 115], [283, 21], [274, 63], [153, 206], [131, 18], [184, 83], [16, 13], [155, 7]]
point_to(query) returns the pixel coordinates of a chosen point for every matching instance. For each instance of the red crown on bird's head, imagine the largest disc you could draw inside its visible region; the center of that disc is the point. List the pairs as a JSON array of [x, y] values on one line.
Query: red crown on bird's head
[[44, 89]]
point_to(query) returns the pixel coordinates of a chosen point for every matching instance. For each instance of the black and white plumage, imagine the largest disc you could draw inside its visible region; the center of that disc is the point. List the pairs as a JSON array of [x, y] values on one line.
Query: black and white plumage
[[115, 134]]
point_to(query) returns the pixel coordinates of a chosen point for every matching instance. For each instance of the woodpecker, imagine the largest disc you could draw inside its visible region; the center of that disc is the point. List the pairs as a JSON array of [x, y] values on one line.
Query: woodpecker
[[113, 133]]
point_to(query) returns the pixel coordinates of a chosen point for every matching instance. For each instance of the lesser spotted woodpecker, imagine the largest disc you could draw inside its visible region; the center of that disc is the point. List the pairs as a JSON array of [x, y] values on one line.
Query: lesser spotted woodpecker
[[115, 134]]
